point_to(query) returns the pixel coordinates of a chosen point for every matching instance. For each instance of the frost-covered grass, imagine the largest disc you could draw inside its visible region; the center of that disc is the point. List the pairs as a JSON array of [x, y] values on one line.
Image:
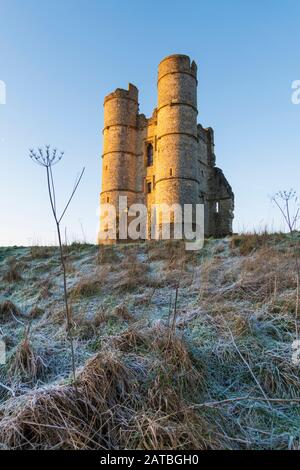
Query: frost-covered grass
[[215, 371]]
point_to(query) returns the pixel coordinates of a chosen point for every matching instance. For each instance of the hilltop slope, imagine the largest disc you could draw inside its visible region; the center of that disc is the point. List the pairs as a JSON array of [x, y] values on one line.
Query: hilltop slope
[[173, 349]]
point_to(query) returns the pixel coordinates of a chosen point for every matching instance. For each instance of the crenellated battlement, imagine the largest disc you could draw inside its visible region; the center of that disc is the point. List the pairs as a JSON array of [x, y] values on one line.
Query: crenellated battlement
[[130, 94], [177, 63]]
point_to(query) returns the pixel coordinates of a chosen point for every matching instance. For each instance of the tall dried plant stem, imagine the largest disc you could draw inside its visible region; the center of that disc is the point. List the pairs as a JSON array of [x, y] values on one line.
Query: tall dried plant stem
[[297, 308], [244, 361], [47, 159], [68, 312], [51, 192], [175, 309], [283, 201], [275, 289]]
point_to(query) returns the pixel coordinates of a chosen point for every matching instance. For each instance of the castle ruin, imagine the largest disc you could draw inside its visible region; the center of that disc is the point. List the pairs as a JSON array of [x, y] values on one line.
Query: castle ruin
[[167, 158]]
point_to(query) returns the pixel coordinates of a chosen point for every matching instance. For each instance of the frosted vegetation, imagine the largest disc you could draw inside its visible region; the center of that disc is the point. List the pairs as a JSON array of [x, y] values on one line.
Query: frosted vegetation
[[174, 349]]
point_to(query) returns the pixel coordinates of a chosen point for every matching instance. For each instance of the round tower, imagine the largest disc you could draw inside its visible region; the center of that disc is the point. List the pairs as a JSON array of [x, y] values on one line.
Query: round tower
[[176, 169], [119, 147]]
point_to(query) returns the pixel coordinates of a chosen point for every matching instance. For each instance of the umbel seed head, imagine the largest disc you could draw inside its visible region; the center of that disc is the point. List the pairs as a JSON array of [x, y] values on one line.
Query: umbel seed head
[[46, 157]]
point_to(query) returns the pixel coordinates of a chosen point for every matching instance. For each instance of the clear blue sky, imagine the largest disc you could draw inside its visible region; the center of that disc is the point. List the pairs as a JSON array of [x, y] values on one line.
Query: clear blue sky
[[60, 58]]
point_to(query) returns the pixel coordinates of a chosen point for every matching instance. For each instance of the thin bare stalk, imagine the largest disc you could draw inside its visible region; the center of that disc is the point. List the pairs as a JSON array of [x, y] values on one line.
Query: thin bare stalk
[[170, 308], [175, 309], [297, 308], [48, 159], [283, 200], [244, 361], [275, 289], [72, 195], [214, 404], [68, 312]]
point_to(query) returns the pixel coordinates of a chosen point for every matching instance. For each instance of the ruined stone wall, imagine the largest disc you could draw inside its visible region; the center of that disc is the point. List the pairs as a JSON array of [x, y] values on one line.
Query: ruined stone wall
[[221, 204]]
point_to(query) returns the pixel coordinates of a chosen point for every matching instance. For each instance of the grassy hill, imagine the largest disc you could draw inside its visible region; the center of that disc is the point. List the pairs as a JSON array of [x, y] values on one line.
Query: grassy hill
[[174, 349]]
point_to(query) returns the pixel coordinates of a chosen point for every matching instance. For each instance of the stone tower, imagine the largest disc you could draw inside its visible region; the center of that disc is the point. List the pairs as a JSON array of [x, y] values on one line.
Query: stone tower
[[167, 158], [119, 163], [177, 141]]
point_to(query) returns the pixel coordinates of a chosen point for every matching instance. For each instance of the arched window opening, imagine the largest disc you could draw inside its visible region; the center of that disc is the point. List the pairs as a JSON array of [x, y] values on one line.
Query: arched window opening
[[149, 155]]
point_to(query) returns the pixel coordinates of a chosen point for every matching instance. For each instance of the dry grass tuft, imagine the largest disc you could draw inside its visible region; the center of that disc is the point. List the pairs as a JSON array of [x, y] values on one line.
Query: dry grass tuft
[[130, 340], [45, 288], [177, 363], [69, 266], [156, 431], [86, 288], [285, 303], [26, 365], [8, 310], [121, 311], [133, 274], [171, 347], [35, 312], [249, 242], [41, 252], [76, 247], [55, 317], [91, 285], [239, 325], [107, 254], [12, 272], [85, 415], [109, 407], [86, 327], [166, 250]]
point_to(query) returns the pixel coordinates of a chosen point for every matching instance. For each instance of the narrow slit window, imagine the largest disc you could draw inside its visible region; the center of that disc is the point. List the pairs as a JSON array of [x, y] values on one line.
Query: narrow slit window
[[149, 187], [107, 199], [171, 172], [149, 155], [217, 207]]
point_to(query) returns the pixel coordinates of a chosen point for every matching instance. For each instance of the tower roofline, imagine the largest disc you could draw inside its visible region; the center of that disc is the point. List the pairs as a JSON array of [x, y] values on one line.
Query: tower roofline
[[174, 56], [177, 63], [131, 93]]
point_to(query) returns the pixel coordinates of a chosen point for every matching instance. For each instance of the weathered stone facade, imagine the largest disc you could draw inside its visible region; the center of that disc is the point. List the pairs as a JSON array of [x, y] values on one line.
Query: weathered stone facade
[[168, 158]]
